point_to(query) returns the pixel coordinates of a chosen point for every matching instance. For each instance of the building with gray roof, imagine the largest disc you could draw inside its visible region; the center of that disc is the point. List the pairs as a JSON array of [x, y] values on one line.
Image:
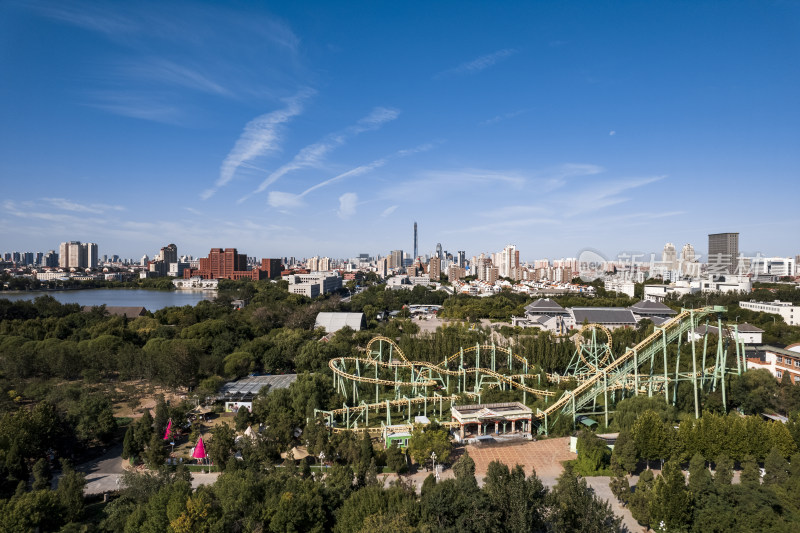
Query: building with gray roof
[[611, 317], [647, 308], [240, 393], [545, 306]]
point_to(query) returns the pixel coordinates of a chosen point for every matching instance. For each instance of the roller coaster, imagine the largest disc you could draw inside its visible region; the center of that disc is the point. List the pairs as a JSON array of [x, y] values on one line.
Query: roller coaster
[[400, 384]]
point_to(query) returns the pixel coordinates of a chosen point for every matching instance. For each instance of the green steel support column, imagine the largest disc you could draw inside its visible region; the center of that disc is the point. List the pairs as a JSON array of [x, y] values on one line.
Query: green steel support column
[[388, 414], [463, 372], [366, 416], [694, 368], [573, 410], [738, 360], [493, 358], [666, 384], [724, 366], [605, 393], [705, 351], [545, 424], [635, 373], [524, 392], [719, 371], [677, 368], [377, 395], [347, 415], [477, 364]]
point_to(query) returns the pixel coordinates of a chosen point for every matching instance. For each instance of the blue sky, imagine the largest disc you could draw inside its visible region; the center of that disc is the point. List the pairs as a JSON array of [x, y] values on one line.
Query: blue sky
[[328, 128]]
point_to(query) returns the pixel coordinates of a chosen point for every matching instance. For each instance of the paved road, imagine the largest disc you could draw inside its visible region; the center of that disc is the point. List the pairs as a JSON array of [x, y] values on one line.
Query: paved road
[[105, 473]]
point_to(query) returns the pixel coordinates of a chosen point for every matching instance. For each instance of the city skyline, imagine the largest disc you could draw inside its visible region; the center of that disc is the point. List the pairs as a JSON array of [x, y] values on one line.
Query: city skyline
[[271, 130]]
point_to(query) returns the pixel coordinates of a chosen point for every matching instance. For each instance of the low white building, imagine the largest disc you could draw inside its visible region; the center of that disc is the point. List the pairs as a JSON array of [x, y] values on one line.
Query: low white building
[[658, 293], [314, 283], [744, 333], [195, 282], [624, 286], [790, 313], [47, 276], [773, 266], [726, 284]]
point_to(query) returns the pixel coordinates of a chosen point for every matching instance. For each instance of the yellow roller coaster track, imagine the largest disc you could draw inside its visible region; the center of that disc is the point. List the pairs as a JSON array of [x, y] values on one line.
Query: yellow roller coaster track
[[405, 362], [579, 341], [585, 381], [624, 358]]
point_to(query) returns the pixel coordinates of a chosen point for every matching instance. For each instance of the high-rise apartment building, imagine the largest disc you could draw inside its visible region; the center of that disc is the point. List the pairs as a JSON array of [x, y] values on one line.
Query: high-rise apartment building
[[687, 253], [723, 252], [91, 251], [435, 269], [74, 254], [396, 259], [669, 256], [50, 259], [64, 253], [507, 261], [416, 250], [169, 254]]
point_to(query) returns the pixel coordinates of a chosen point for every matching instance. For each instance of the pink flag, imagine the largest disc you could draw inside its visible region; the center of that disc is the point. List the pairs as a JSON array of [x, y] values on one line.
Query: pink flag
[[169, 427], [199, 450]]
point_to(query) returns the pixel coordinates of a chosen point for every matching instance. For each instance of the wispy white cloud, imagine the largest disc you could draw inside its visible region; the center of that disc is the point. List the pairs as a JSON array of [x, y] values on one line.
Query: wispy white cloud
[[347, 205], [557, 177], [313, 155], [151, 106], [388, 211], [170, 73], [260, 136], [514, 211], [612, 133], [504, 116], [68, 205], [88, 16], [284, 200], [474, 176], [478, 64], [510, 224], [600, 195]]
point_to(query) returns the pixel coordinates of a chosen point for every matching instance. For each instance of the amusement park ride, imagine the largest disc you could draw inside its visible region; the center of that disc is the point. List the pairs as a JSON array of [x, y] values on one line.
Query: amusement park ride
[[597, 375]]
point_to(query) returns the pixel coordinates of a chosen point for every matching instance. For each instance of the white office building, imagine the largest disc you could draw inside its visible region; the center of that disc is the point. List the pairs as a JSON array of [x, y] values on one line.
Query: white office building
[[790, 313], [773, 266]]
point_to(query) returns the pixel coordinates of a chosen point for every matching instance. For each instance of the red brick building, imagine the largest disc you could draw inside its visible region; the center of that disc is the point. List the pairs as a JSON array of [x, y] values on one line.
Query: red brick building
[[230, 264], [272, 267]]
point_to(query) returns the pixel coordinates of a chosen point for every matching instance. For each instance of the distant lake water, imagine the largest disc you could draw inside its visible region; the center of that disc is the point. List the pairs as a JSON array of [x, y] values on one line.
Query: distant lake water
[[150, 300]]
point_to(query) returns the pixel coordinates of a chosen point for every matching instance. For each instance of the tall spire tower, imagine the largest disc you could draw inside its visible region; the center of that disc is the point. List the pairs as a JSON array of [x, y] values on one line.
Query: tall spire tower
[[416, 252]]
